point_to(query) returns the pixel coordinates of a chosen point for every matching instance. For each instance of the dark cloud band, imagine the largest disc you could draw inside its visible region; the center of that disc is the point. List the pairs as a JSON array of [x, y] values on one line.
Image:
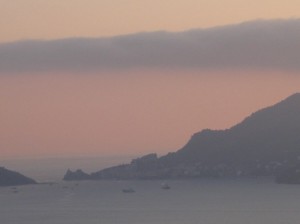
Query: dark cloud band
[[272, 44]]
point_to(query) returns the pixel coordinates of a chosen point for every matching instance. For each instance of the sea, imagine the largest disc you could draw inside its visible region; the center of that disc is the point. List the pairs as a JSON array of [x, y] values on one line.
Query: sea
[[209, 201]]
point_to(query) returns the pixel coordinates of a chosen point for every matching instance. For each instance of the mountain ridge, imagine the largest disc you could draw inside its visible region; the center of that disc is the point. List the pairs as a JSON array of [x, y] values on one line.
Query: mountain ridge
[[262, 144]]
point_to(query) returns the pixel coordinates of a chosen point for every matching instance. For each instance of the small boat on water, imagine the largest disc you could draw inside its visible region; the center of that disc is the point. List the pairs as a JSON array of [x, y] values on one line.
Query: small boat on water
[[165, 186], [128, 190], [14, 189]]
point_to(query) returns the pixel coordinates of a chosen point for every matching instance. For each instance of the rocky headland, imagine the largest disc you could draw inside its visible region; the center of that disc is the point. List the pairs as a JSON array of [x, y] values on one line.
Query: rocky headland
[[12, 178], [267, 143]]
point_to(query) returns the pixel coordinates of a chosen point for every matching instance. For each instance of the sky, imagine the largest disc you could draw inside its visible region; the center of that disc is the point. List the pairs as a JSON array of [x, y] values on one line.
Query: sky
[[44, 19], [129, 77]]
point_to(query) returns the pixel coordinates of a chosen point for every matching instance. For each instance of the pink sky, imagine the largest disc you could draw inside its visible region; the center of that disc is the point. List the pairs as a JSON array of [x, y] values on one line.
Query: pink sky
[[119, 114], [139, 93], [44, 19]]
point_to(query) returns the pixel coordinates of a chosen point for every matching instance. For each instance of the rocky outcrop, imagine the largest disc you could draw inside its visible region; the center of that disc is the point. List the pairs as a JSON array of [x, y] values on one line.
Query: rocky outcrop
[[140, 168], [76, 175], [12, 178]]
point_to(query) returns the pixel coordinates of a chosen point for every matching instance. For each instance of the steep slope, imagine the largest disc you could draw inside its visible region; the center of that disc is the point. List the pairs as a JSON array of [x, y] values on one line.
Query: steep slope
[[12, 178], [265, 143], [272, 133]]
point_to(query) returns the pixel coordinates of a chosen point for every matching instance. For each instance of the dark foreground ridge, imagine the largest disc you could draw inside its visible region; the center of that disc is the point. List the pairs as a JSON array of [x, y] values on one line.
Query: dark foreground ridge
[[267, 143], [12, 178]]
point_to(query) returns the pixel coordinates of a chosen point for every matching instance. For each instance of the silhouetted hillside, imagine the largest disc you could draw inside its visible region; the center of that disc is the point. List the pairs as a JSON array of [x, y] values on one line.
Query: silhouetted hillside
[[11, 178], [270, 134], [265, 143]]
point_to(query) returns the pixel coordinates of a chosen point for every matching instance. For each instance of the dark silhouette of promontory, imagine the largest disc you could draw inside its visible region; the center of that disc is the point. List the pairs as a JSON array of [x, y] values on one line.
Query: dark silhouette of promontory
[[267, 143], [12, 178], [76, 175]]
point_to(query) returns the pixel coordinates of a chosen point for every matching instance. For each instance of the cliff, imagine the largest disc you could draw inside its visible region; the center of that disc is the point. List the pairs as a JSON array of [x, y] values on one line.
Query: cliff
[[12, 178]]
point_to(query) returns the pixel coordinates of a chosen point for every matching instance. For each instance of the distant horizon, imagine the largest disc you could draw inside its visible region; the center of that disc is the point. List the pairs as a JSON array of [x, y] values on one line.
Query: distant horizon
[[137, 93], [133, 33], [55, 20], [47, 171]]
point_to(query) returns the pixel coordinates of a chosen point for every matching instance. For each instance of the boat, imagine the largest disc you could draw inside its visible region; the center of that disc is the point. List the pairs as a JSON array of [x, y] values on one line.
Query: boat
[[128, 190], [165, 186]]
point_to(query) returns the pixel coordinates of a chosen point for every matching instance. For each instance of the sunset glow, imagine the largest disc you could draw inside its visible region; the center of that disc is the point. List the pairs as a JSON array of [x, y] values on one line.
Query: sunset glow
[[73, 82]]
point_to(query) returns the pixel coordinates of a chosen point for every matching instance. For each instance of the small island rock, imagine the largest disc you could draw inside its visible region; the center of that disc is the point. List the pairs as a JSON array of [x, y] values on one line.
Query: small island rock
[[76, 175]]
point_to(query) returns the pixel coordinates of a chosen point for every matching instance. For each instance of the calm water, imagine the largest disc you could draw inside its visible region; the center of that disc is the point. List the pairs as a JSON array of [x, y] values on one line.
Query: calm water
[[256, 201]]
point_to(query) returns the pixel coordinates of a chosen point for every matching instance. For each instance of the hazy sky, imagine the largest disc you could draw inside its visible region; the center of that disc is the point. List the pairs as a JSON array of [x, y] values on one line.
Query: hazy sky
[[44, 19], [99, 91]]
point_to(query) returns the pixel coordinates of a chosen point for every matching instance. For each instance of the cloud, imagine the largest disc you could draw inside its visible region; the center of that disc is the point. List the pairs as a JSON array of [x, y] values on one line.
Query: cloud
[[261, 44]]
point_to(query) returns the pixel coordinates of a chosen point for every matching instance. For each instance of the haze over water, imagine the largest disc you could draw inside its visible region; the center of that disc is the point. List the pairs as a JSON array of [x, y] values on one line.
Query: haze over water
[[200, 201]]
